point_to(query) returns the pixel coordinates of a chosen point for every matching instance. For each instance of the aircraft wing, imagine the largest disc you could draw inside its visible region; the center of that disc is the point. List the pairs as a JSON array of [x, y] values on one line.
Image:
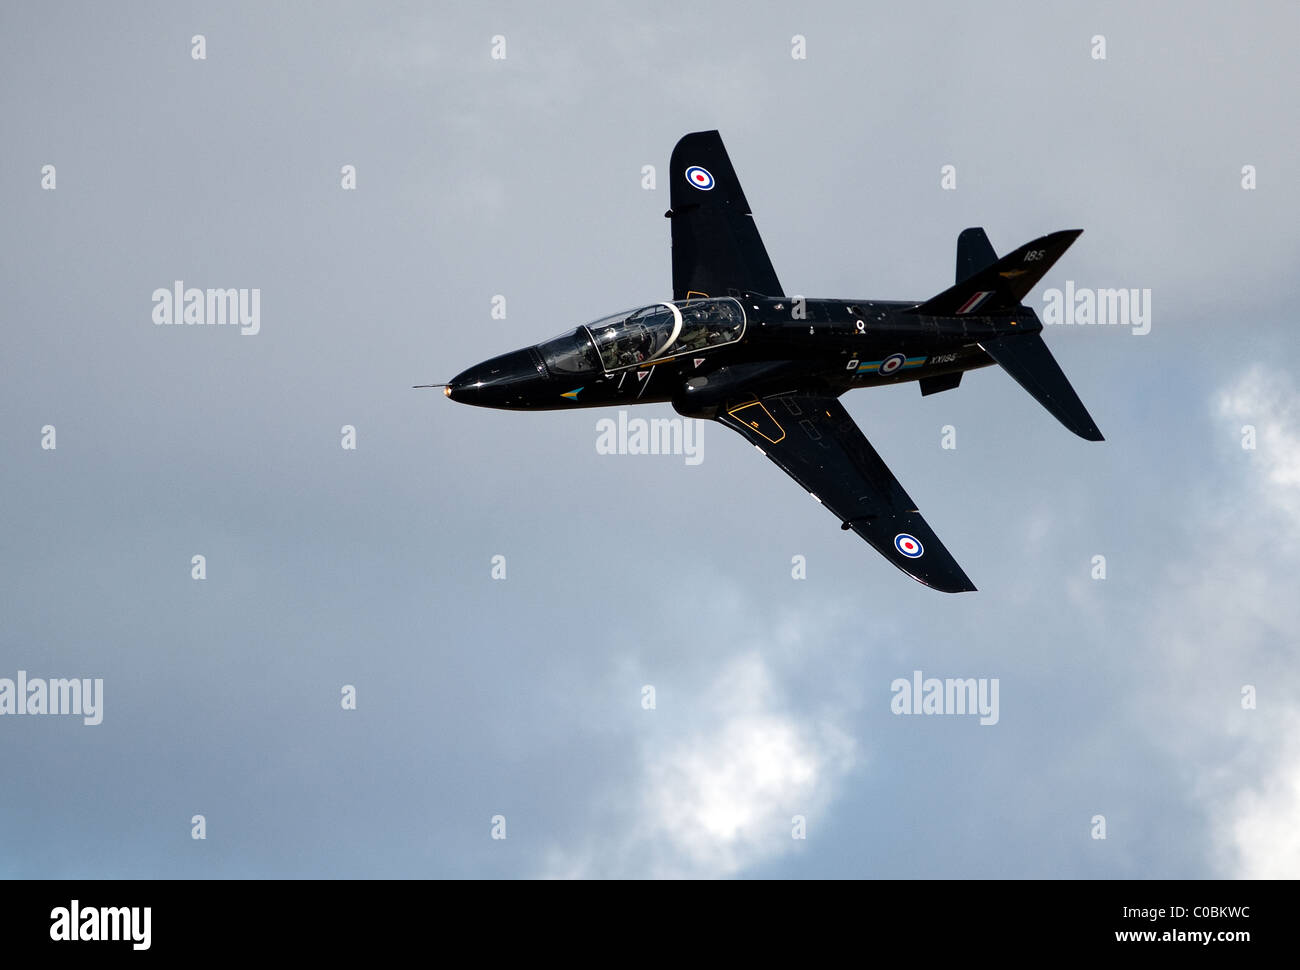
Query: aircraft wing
[[814, 440], [716, 247]]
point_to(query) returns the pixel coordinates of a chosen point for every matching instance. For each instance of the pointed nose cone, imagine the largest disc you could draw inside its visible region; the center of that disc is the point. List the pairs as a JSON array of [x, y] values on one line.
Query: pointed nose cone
[[512, 380]]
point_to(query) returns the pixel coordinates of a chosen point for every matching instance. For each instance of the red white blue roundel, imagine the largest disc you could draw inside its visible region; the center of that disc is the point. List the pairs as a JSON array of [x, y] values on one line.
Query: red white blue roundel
[[699, 177], [887, 367], [909, 546]]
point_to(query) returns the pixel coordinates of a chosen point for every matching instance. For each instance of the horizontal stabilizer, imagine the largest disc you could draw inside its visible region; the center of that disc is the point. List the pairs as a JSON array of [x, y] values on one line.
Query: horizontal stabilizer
[[1002, 286], [1026, 358]]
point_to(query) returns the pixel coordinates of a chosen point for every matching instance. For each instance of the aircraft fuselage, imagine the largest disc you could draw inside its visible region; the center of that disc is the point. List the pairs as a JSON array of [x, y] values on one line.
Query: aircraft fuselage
[[835, 344]]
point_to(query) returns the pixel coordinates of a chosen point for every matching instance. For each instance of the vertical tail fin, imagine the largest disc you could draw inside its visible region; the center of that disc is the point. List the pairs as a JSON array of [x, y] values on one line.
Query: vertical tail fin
[[1000, 286], [974, 253]]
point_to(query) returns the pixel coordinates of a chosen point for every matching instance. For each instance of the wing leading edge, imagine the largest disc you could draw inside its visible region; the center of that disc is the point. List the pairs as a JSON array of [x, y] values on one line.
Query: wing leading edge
[[813, 439]]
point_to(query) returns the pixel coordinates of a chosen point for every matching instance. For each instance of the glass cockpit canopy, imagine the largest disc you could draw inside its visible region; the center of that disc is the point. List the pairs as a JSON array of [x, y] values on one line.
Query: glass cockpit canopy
[[645, 334]]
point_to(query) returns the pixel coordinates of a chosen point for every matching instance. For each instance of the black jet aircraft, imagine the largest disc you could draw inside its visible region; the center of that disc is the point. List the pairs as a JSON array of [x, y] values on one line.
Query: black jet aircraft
[[732, 347]]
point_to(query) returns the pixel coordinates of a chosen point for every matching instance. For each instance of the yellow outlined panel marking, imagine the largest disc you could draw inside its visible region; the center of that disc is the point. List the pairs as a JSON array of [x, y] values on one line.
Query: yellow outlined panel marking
[[763, 422]]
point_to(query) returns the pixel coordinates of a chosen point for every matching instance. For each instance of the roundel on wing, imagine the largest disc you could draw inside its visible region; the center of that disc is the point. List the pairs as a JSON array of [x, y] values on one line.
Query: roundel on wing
[[908, 545], [699, 177]]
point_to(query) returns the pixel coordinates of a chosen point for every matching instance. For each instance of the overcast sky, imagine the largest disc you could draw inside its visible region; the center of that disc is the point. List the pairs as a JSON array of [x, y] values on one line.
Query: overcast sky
[[522, 697]]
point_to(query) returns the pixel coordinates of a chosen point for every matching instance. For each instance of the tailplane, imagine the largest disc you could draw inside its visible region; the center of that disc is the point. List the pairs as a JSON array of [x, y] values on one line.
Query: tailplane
[[1026, 358]]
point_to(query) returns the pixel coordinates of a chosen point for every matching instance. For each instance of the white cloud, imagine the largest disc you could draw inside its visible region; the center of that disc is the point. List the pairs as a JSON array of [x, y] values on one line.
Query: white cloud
[[718, 794], [1263, 821], [1267, 399], [1259, 832], [1229, 618]]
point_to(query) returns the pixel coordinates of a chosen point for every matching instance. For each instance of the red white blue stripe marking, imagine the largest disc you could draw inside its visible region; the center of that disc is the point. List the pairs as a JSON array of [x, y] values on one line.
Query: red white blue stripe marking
[[970, 305]]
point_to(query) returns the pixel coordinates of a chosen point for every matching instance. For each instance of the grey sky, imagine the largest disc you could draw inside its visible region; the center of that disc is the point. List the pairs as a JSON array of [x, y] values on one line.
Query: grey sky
[[522, 697]]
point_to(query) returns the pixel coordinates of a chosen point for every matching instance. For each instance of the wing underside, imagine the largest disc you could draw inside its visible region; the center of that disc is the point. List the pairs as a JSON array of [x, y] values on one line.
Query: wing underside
[[717, 250], [814, 440]]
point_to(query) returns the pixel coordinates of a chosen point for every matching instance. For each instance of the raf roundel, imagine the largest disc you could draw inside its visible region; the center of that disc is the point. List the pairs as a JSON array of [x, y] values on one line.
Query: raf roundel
[[887, 367], [909, 546], [699, 177]]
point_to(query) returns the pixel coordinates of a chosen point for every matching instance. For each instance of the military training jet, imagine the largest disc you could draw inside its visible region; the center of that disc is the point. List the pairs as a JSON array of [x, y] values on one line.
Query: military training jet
[[731, 347]]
